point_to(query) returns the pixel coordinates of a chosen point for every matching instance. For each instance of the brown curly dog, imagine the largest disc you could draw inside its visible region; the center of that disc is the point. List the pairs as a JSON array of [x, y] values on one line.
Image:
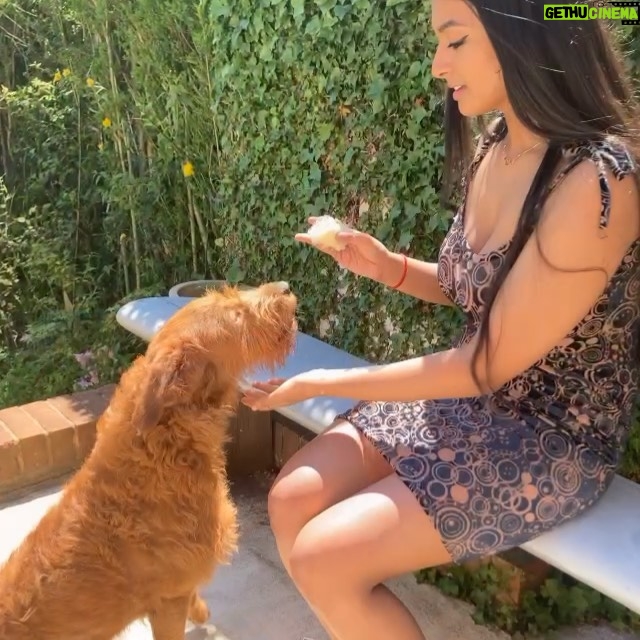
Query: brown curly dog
[[148, 517]]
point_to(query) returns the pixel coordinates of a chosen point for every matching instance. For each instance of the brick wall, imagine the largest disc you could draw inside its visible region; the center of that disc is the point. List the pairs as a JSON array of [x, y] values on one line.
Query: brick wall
[[49, 438]]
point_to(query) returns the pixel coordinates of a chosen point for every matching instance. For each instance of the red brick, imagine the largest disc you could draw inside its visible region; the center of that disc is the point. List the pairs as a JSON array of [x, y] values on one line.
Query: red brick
[[34, 443], [46, 439], [83, 409], [72, 409], [83, 420], [94, 402], [62, 434], [10, 457]]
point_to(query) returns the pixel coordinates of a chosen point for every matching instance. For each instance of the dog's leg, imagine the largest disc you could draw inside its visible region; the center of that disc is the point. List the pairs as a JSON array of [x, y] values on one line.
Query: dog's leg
[[169, 620], [198, 610]]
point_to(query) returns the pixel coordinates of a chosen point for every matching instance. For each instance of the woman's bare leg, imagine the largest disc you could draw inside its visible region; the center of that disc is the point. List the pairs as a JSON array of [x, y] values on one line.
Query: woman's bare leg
[[333, 466], [341, 557]]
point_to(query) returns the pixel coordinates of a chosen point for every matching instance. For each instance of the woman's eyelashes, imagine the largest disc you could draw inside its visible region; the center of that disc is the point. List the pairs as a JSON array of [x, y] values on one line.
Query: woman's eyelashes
[[458, 43]]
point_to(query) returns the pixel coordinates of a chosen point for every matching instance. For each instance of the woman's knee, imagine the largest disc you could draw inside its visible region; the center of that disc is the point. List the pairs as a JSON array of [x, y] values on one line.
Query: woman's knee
[[292, 499], [329, 469]]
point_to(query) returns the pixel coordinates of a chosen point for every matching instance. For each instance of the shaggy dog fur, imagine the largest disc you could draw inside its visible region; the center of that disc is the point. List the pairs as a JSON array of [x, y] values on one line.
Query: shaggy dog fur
[[148, 517]]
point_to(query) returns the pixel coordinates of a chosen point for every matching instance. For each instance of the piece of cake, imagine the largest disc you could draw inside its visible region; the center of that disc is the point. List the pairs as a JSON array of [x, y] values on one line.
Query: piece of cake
[[323, 233]]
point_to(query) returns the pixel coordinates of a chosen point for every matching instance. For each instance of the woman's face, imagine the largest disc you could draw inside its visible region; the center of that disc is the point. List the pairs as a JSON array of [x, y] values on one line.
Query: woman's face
[[465, 58]]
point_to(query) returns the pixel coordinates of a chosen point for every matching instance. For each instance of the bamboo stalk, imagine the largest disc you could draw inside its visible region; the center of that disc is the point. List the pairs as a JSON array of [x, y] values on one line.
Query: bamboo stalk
[[78, 200], [192, 228], [123, 163], [203, 231], [123, 257]]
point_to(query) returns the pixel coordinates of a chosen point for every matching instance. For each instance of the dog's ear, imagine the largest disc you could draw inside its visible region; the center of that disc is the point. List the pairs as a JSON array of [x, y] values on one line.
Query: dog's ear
[[172, 377]]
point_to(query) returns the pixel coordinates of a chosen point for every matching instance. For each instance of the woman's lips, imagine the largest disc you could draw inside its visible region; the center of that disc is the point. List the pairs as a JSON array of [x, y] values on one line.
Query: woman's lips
[[457, 90]]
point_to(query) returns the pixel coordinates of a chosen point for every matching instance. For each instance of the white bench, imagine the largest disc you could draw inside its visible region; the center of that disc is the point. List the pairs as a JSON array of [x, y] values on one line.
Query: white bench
[[600, 548]]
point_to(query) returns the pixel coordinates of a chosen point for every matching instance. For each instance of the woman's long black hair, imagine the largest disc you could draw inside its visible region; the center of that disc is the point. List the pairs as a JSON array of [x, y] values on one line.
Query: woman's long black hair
[[565, 82]]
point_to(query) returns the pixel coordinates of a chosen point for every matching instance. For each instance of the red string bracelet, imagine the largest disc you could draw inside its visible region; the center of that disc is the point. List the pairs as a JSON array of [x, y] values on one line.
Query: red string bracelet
[[405, 268]]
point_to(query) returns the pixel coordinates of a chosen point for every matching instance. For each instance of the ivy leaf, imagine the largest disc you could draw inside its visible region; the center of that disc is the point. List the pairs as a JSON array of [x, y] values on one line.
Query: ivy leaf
[[235, 274], [298, 7], [414, 69], [405, 238]]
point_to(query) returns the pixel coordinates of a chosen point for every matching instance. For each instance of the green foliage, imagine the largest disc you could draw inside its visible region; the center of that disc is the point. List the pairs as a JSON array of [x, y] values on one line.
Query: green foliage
[[284, 110], [631, 460], [281, 111], [64, 351], [50, 257], [560, 601]]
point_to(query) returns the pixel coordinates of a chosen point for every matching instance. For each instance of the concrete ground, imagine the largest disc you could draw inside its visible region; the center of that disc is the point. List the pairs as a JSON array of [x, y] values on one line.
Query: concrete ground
[[253, 599]]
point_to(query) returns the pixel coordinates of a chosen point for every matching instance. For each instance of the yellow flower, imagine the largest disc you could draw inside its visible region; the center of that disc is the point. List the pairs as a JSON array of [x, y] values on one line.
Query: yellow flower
[[187, 169], [57, 76], [66, 72], [90, 82], [106, 122]]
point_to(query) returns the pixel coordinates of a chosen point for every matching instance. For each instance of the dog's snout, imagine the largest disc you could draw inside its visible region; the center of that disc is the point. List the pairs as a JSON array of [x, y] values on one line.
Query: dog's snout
[[284, 287]]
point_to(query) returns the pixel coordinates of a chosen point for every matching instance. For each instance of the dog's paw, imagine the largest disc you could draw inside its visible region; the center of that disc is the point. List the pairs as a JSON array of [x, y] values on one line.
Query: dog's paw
[[198, 610]]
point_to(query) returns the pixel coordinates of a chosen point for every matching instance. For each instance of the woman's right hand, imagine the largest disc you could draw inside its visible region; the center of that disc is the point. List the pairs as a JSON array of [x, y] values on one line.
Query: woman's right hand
[[362, 255]]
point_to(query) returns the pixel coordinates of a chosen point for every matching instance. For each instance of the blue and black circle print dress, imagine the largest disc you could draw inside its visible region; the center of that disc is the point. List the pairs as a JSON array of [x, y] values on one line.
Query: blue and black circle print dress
[[495, 471]]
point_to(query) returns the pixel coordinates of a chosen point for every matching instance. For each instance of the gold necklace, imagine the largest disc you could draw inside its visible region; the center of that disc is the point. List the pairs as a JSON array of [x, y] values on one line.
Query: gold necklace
[[510, 161]]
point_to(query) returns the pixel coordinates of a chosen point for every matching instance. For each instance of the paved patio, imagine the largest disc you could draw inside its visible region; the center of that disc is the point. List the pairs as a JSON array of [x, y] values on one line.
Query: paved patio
[[252, 599]]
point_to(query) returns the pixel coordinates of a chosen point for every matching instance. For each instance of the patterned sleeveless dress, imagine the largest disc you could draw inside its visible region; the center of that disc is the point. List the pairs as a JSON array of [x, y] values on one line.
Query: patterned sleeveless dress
[[495, 471]]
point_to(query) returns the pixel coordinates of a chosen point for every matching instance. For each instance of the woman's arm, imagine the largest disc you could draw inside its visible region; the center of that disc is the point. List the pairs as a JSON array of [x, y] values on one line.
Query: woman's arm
[[561, 272], [420, 282]]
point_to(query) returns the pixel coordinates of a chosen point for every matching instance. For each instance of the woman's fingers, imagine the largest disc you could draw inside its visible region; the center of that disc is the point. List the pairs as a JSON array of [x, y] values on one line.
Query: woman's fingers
[[303, 237], [306, 239], [268, 386]]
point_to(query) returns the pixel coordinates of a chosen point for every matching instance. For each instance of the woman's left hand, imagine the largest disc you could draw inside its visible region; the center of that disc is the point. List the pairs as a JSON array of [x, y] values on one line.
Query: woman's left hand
[[282, 392]]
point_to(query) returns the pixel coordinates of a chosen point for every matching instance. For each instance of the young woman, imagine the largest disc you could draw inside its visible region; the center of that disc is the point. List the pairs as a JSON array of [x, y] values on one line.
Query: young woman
[[520, 425]]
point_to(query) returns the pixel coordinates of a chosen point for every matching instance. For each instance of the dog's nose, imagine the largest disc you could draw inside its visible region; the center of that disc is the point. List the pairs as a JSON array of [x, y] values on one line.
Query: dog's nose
[[284, 286]]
